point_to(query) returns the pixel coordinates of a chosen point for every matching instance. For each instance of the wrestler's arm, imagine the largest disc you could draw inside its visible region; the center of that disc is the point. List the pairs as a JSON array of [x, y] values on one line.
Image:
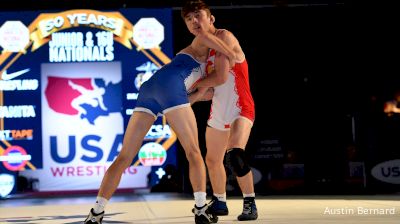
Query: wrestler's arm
[[201, 94], [221, 64], [214, 42], [391, 107]]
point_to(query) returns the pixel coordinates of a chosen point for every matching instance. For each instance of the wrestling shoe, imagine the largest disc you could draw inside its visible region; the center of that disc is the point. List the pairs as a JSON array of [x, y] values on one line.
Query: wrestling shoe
[[217, 207], [249, 210], [94, 218], [203, 216]]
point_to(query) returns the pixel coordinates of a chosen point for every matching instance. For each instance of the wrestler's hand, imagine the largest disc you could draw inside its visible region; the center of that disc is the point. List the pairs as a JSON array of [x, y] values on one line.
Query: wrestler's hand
[[232, 62], [193, 88], [389, 107], [208, 94]]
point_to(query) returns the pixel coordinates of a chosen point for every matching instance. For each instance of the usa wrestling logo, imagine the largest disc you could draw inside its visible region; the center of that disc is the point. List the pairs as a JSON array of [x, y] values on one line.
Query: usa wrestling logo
[[88, 98]]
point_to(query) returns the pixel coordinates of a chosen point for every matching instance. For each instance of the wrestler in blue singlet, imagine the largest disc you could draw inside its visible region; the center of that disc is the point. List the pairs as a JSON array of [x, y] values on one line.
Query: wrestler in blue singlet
[[166, 89]]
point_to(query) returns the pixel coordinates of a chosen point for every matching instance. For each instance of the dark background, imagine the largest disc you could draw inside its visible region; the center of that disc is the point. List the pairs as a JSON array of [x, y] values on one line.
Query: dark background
[[319, 79]]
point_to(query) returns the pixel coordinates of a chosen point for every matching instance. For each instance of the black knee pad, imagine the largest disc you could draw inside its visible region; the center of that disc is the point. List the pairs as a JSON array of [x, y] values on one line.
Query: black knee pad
[[236, 161]]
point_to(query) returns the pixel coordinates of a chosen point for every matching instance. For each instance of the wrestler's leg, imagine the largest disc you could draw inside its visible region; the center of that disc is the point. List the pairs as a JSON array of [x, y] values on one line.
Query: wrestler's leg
[[138, 126], [239, 136], [183, 122], [216, 142]]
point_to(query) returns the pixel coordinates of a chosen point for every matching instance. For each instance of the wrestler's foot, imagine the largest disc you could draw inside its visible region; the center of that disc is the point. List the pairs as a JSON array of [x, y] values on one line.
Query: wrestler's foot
[[94, 218], [217, 207], [249, 210], [203, 216]]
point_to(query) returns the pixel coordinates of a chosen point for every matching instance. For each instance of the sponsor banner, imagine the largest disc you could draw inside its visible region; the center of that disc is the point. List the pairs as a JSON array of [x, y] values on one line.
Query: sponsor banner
[[7, 184], [388, 171], [69, 81], [15, 158], [85, 177], [85, 100], [18, 134]]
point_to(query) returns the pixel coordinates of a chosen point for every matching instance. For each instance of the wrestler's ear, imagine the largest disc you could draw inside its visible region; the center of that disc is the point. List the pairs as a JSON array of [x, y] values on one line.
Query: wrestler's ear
[[212, 19]]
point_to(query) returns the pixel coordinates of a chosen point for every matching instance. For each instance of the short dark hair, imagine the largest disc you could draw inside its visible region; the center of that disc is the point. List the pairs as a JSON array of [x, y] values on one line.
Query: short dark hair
[[193, 6]]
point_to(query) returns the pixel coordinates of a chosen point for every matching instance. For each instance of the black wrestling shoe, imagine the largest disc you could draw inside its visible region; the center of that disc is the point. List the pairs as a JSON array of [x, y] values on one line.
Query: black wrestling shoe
[[203, 216], [94, 218], [249, 210], [217, 207]]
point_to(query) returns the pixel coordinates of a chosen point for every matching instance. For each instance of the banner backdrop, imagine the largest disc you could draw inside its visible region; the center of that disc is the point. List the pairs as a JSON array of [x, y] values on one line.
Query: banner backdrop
[[69, 82]]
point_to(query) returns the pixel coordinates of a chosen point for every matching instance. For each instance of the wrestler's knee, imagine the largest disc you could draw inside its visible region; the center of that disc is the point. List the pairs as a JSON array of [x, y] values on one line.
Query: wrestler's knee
[[236, 161], [214, 161], [192, 152], [122, 162]]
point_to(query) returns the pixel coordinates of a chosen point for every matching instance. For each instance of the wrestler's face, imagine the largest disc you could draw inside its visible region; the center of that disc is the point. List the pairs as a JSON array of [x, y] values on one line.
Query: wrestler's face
[[198, 21]]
